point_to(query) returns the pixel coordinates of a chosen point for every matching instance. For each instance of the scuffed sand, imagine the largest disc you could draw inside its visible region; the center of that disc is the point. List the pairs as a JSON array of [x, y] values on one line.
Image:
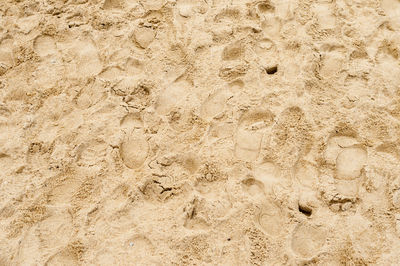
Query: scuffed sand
[[199, 132]]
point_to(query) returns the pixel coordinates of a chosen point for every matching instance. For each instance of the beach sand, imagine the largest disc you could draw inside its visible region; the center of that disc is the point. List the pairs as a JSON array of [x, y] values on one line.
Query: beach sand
[[199, 132]]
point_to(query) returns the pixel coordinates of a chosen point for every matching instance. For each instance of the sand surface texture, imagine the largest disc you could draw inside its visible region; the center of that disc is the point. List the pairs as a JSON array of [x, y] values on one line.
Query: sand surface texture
[[199, 132]]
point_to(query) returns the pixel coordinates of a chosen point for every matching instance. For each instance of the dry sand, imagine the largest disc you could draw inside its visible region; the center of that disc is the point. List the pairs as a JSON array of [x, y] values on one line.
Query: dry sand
[[199, 132]]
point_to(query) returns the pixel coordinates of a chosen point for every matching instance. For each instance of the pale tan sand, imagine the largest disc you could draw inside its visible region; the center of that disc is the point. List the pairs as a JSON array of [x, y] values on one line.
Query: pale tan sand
[[199, 132]]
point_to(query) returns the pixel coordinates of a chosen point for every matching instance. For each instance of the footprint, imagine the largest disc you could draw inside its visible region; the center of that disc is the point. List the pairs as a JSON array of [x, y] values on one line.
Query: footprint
[[332, 63], [172, 96], [392, 9], [335, 146], [143, 36], [307, 240], [29, 250], [267, 52], [63, 191], [265, 7], [134, 149], [112, 74], [84, 56], [268, 174], [138, 248], [92, 152], [112, 4], [90, 95], [196, 218], [233, 51], [271, 219], [182, 119], [63, 258], [291, 139], [350, 162], [347, 188], [230, 73], [44, 45], [132, 120], [56, 230], [228, 15], [254, 188], [151, 5], [324, 13], [214, 104], [250, 132], [6, 55], [307, 174], [188, 8]]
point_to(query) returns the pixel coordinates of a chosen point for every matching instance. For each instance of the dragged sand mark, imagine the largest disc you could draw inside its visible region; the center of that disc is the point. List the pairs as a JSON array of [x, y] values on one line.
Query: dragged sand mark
[[307, 240], [250, 132], [188, 8]]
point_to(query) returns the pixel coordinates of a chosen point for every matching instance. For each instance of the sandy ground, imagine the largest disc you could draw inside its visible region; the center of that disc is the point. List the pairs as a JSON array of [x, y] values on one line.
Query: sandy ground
[[199, 132]]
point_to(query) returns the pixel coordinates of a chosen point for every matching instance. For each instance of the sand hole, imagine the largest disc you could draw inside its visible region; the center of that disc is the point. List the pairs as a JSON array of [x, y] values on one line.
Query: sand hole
[[307, 211], [271, 70]]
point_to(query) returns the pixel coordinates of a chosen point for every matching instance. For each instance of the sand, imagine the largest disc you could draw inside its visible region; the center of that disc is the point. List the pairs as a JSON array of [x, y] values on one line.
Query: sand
[[199, 132]]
